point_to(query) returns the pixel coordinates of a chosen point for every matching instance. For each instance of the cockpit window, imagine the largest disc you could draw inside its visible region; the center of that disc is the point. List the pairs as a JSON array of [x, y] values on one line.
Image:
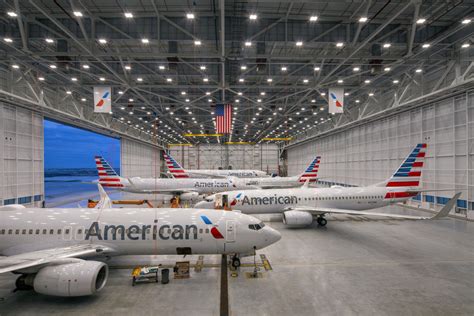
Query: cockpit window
[[256, 226]]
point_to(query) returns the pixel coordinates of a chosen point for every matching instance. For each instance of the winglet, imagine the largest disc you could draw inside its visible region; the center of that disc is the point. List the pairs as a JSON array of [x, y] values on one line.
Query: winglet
[[448, 207], [105, 201], [305, 184]]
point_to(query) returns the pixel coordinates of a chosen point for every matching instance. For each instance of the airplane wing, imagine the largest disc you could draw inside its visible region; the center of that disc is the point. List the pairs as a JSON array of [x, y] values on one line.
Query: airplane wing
[[326, 210], [48, 256]]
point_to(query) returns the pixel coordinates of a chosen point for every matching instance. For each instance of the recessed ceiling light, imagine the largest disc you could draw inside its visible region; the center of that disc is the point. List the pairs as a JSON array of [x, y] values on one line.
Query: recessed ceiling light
[[202, 67], [263, 93], [169, 79], [323, 93], [130, 100], [259, 100], [363, 19], [418, 70], [145, 40], [102, 41], [387, 69], [317, 68], [161, 67], [387, 45], [183, 92], [49, 40], [85, 66], [12, 14], [248, 44], [313, 18], [208, 93], [187, 100], [466, 21], [128, 67], [371, 94], [68, 92], [253, 17], [197, 42], [139, 79], [41, 78], [189, 16], [465, 45], [120, 92], [243, 67], [305, 80], [339, 44], [15, 66], [209, 100], [128, 15], [426, 45], [78, 14], [299, 43], [420, 21], [102, 79], [269, 80], [237, 100], [8, 40], [357, 101], [340, 81], [346, 94], [283, 68], [241, 79], [356, 69], [395, 81], [53, 66], [239, 93], [367, 81], [205, 79], [73, 79]]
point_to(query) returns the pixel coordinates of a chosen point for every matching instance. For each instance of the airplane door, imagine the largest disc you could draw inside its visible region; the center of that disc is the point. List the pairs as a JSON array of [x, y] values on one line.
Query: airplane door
[[230, 231]]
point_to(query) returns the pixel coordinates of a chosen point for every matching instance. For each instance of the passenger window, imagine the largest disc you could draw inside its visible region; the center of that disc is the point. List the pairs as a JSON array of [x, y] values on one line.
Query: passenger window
[[67, 231], [2, 232], [200, 230], [30, 232], [59, 231], [207, 230], [10, 231], [79, 231], [23, 231], [44, 231], [51, 231], [17, 231], [87, 231]]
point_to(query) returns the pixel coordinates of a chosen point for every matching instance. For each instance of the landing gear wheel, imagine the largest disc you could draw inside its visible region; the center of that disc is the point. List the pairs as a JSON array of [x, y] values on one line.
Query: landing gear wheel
[[235, 262], [322, 221]]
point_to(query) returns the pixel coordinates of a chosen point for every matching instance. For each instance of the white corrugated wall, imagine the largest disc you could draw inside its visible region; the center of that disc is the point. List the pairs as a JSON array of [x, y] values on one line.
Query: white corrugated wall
[[139, 160]]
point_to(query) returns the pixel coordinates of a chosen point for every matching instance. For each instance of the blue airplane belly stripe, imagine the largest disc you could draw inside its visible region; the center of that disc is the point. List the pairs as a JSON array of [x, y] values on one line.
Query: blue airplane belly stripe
[[206, 220]]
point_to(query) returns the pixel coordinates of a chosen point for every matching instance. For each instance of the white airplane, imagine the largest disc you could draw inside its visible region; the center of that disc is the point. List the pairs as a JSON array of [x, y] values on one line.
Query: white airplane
[[179, 172], [186, 188], [59, 251], [300, 205], [310, 174]]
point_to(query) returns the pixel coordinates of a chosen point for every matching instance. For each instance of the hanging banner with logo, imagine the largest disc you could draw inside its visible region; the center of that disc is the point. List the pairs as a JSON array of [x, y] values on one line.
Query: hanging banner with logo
[[102, 99], [336, 100]]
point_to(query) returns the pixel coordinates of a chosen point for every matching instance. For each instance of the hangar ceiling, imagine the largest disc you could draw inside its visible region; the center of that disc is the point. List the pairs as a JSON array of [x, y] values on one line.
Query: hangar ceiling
[[169, 62]]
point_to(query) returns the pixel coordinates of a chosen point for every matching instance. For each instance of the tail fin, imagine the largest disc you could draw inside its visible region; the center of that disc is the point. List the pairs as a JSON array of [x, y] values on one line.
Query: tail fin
[[174, 167], [105, 201], [311, 173], [409, 172], [107, 176]]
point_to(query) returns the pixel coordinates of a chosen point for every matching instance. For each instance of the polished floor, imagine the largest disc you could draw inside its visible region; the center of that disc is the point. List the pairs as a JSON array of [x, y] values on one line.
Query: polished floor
[[355, 265]]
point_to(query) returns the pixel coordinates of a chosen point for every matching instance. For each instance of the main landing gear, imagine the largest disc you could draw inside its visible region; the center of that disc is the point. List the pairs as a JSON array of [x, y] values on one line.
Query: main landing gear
[[322, 221], [235, 261]]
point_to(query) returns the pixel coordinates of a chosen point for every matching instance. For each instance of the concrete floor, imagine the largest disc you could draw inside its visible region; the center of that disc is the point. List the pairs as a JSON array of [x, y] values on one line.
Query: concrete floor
[[355, 265]]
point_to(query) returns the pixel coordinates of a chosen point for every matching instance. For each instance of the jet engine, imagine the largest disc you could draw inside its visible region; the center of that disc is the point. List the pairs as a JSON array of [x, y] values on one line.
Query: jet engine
[[297, 218], [191, 196], [72, 279], [12, 207]]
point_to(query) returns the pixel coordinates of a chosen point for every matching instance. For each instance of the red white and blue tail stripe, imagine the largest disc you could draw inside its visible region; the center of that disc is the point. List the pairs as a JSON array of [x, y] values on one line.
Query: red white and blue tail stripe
[[311, 173], [408, 175], [107, 175], [174, 167]]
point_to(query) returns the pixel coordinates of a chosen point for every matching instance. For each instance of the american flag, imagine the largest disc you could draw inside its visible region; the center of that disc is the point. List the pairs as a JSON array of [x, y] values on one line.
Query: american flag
[[223, 118]]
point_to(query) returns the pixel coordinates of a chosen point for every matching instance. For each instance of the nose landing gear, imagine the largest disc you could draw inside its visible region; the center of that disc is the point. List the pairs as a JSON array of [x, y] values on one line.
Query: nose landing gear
[[322, 221], [235, 261]]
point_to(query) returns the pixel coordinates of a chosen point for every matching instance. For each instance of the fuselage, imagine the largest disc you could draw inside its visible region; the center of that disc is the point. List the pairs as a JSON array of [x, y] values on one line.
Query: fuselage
[[227, 173], [268, 182], [133, 231], [279, 200]]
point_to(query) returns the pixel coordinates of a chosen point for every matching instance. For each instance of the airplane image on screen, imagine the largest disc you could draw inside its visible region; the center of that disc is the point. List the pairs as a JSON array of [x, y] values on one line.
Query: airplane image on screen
[[59, 251], [179, 172], [299, 206]]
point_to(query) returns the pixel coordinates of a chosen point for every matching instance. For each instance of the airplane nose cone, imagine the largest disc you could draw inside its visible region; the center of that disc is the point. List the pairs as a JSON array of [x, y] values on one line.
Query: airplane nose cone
[[272, 235]]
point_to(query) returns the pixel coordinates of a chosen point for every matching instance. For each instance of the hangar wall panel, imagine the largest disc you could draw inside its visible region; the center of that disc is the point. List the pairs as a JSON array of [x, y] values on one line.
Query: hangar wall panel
[[21, 156], [370, 153], [139, 160], [260, 157]]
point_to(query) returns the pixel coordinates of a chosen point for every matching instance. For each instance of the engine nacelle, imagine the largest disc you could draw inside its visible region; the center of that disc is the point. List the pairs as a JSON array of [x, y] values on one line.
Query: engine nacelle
[[191, 196], [71, 279], [297, 218], [12, 207]]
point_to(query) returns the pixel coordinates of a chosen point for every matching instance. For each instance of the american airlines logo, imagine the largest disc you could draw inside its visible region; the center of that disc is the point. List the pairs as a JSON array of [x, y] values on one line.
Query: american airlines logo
[[139, 232], [211, 184], [269, 200]]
